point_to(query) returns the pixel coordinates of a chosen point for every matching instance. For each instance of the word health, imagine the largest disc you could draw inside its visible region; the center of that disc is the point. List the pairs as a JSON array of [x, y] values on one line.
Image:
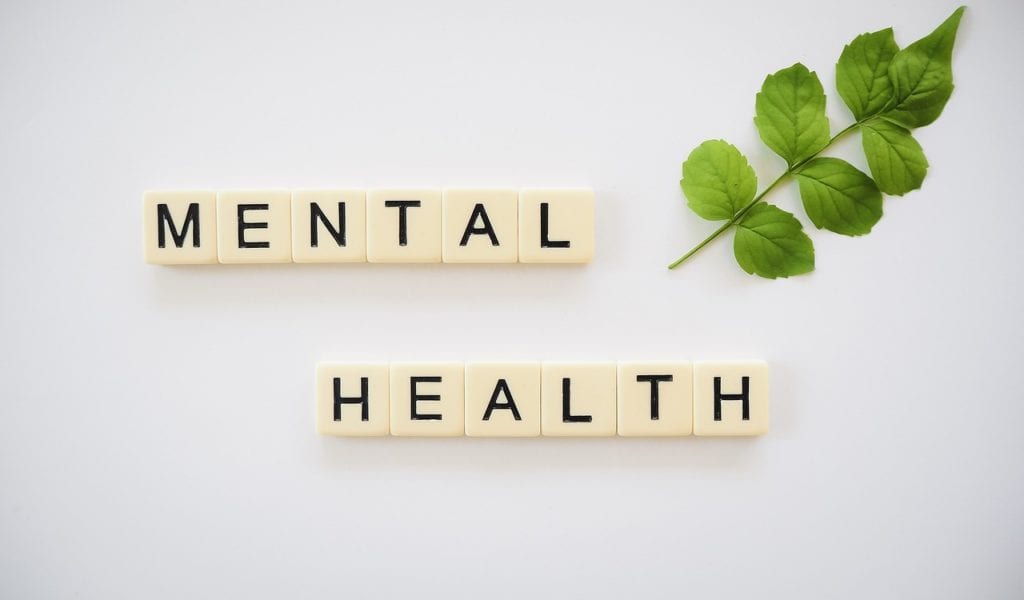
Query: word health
[[425, 225], [523, 399]]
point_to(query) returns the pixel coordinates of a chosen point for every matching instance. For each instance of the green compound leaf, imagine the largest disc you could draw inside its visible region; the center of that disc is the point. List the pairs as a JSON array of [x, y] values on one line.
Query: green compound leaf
[[896, 160], [790, 114], [922, 76], [717, 180], [888, 90], [838, 197], [770, 242], [862, 73]]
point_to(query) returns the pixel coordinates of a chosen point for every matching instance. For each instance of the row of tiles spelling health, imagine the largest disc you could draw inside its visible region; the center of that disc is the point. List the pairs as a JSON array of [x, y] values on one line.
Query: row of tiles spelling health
[[520, 399], [377, 225]]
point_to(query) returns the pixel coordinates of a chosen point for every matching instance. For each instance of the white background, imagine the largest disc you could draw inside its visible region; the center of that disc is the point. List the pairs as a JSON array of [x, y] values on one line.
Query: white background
[[156, 424]]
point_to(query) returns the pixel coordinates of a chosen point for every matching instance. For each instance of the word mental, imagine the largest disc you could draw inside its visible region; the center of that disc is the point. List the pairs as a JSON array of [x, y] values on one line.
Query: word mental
[[377, 225], [705, 398]]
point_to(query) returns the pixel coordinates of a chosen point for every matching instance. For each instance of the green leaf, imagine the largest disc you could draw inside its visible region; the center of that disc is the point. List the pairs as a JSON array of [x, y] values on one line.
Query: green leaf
[[862, 73], [770, 242], [717, 180], [838, 197], [896, 160], [790, 114], [922, 76]]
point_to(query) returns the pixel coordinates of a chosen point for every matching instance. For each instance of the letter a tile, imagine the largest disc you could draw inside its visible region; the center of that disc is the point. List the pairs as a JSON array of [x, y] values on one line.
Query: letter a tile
[[481, 226], [502, 399]]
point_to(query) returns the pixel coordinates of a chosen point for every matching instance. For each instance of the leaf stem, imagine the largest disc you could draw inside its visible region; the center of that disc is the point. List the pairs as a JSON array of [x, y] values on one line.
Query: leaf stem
[[738, 217]]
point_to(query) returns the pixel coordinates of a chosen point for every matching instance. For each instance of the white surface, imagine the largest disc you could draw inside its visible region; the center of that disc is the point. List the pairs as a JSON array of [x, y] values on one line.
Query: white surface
[[156, 424]]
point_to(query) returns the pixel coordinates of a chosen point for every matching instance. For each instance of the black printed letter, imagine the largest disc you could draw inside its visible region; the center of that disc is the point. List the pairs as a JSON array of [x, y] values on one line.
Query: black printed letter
[[567, 416], [479, 213], [502, 387], [242, 226], [415, 397], [403, 229], [363, 398], [191, 220], [544, 241], [654, 381], [744, 396], [316, 213]]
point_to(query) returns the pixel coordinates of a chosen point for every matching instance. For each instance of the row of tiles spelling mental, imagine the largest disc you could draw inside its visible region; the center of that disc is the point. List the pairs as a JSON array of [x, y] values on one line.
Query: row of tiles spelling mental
[[377, 225], [672, 398]]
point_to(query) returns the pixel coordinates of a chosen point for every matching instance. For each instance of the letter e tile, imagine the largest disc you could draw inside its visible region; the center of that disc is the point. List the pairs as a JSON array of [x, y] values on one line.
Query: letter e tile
[[427, 399], [254, 226]]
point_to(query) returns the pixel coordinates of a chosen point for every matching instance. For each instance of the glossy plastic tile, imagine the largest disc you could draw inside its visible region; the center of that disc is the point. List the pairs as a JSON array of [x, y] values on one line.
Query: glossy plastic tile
[[180, 227], [578, 399], [254, 226], [427, 399], [403, 225], [352, 399], [556, 225], [328, 226], [730, 397], [655, 398], [503, 399], [481, 225]]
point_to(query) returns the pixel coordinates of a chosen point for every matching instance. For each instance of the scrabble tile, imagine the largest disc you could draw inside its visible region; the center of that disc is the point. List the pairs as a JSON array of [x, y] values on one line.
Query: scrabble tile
[[328, 226], [403, 226], [730, 397], [556, 225], [655, 398], [427, 399], [578, 399], [254, 226], [352, 399], [502, 399], [481, 225], [180, 227]]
